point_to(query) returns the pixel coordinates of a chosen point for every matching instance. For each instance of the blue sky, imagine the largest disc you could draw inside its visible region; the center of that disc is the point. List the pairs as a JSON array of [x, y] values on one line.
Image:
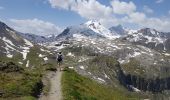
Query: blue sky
[[51, 16]]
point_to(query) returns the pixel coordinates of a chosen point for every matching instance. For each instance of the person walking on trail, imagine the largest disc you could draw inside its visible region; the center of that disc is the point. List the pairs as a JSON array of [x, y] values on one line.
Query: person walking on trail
[[59, 59]]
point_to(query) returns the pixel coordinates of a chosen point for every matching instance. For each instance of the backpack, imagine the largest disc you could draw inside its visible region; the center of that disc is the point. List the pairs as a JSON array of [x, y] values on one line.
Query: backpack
[[60, 57]]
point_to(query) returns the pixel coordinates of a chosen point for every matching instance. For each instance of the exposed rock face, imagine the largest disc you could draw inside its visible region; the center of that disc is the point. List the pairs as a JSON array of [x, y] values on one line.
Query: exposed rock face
[[150, 38], [144, 84], [10, 34], [167, 44], [118, 29], [74, 31]]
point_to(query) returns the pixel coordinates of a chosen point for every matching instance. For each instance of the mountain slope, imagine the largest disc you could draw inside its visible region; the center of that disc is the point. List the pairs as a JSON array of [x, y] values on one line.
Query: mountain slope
[[98, 28], [89, 89], [22, 65], [138, 61], [90, 56], [38, 39], [92, 29], [150, 38], [20, 50], [118, 29], [11, 42]]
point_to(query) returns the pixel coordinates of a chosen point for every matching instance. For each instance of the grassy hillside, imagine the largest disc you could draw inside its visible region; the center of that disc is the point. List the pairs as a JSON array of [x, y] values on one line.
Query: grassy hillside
[[17, 82], [20, 82], [77, 87]]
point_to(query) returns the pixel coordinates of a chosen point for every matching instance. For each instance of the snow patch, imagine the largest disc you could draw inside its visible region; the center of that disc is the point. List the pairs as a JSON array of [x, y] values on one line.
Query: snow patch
[[121, 61], [82, 67], [9, 47], [129, 47], [45, 51], [70, 54], [101, 80], [71, 67], [166, 54], [45, 59], [42, 49], [135, 54], [28, 43], [40, 55], [155, 63], [106, 76], [7, 41], [82, 59], [115, 46], [24, 53], [89, 73], [78, 37], [27, 65], [20, 63], [162, 60], [9, 55], [134, 89]]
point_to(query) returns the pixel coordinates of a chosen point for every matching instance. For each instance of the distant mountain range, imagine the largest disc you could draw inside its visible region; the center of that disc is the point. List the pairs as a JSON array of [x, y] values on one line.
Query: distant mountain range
[[143, 55]]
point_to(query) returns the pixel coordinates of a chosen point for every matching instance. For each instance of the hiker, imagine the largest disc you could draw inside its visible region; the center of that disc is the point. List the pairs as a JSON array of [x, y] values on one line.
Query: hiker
[[59, 59]]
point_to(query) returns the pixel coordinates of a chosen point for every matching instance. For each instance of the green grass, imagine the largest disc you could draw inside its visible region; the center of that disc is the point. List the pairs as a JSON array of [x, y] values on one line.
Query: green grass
[[24, 84], [20, 84], [77, 87]]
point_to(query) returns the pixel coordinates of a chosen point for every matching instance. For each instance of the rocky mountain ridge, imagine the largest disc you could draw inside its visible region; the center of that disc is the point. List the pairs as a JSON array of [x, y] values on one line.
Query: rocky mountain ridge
[[138, 63]]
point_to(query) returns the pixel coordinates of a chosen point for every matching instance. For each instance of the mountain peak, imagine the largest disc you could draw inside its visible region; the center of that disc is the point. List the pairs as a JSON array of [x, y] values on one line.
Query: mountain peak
[[2, 25], [97, 27], [119, 29], [93, 24], [150, 32]]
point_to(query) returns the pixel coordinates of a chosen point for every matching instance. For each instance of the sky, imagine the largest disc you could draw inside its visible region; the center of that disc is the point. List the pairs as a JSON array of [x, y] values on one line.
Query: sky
[[43, 17]]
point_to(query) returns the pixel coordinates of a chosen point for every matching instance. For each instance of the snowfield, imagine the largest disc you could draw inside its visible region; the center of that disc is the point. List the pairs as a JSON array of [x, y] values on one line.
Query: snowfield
[[40, 55], [28, 43], [25, 52], [7, 41], [70, 54], [27, 65], [45, 59], [9, 55]]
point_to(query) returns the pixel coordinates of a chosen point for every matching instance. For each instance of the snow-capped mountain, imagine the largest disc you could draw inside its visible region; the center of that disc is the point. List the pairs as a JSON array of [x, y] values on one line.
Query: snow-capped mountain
[[14, 47], [150, 38], [136, 54], [37, 38], [12, 43], [81, 30], [92, 29], [100, 29], [137, 62]]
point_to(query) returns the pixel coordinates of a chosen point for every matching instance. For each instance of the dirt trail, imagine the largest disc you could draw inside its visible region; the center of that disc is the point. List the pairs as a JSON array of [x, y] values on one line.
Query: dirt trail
[[55, 92]]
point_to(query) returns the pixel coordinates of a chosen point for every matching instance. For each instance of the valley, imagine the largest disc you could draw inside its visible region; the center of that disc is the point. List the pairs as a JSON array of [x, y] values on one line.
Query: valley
[[125, 63]]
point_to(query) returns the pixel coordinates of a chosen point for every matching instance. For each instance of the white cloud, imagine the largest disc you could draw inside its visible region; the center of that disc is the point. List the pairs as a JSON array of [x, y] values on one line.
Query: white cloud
[[156, 23], [34, 26], [90, 9], [147, 9], [126, 11], [64, 4], [137, 17], [123, 7], [159, 1]]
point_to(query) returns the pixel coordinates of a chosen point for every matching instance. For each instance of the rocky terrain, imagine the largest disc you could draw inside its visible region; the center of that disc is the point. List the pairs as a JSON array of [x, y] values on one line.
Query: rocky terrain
[[134, 60], [140, 66]]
